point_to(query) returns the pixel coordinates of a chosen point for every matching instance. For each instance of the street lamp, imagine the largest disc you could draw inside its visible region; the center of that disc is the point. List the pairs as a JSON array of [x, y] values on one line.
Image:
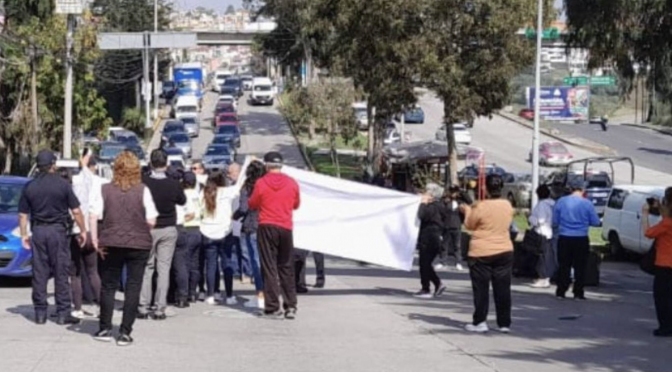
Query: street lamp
[[537, 105]]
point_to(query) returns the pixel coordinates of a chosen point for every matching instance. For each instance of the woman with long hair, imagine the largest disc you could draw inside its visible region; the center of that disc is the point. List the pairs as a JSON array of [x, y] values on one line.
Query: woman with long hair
[[250, 218], [216, 219], [127, 213], [490, 255]]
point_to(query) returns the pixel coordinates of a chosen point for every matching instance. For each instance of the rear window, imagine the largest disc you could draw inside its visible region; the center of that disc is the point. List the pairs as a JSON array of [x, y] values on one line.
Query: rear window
[[617, 199], [227, 129], [557, 148], [187, 109], [262, 88], [179, 138]]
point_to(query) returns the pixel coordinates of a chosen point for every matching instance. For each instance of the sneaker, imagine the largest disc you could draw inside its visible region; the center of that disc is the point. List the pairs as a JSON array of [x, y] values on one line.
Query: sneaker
[[540, 283], [275, 315], [478, 328], [255, 303], [439, 266], [91, 311], [459, 267], [301, 289], [439, 291], [424, 295], [211, 300], [230, 301], [290, 314], [104, 335], [506, 330], [79, 314], [124, 340], [218, 297]]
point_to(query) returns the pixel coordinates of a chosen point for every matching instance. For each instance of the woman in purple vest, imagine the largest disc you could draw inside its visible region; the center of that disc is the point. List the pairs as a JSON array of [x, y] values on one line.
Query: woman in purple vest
[[126, 211]]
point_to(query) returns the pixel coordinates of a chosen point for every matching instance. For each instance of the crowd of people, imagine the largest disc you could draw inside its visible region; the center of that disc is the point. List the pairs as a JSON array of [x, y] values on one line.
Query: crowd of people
[[558, 235], [162, 235]]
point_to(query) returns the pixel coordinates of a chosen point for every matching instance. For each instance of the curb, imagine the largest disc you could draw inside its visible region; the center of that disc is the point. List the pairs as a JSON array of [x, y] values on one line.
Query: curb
[[302, 148], [665, 131], [600, 149]]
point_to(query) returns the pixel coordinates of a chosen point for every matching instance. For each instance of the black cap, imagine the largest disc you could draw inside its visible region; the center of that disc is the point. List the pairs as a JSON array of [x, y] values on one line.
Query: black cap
[[189, 178], [45, 158], [273, 157]]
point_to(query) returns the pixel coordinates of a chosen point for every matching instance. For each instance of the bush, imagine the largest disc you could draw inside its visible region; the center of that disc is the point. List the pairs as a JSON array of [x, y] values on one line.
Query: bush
[[133, 119]]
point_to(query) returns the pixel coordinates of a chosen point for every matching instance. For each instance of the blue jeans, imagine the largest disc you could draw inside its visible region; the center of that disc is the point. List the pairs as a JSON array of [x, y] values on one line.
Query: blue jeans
[[218, 256], [250, 245], [240, 258]]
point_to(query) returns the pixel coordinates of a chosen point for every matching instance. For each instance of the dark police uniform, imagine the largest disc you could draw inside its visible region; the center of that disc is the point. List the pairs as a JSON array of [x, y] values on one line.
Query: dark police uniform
[[48, 200]]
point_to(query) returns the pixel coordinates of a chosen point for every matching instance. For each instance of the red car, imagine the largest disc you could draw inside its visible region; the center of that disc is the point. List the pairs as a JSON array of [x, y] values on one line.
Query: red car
[[526, 113], [226, 119], [224, 107]]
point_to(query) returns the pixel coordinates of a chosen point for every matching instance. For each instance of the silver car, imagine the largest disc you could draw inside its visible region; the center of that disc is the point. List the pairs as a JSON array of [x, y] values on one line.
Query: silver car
[[518, 189], [182, 141], [191, 126]]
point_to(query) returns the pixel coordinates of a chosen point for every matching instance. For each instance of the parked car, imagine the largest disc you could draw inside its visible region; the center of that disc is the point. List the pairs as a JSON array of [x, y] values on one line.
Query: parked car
[[172, 126], [597, 186], [360, 112], [518, 189], [104, 170], [14, 260], [191, 126], [109, 151], [226, 119], [462, 134], [471, 171], [622, 221], [168, 90], [553, 153], [182, 141], [391, 136], [526, 113], [90, 138], [217, 157], [413, 116], [230, 133]]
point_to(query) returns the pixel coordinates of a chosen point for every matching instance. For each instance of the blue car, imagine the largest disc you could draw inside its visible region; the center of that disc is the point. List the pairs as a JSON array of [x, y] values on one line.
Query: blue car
[[14, 260], [413, 116]]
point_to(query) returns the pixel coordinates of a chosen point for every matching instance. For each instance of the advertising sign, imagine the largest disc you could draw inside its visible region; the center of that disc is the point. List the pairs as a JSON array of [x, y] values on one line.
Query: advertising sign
[[562, 103]]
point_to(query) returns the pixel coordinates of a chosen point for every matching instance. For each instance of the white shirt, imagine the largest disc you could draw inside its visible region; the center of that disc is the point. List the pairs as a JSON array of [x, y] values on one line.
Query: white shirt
[[541, 218], [97, 205], [218, 225]]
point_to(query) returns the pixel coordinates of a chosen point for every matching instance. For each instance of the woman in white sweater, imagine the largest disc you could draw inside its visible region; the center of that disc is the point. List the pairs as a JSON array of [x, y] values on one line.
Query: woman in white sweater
[[216, 224], [541, 219]]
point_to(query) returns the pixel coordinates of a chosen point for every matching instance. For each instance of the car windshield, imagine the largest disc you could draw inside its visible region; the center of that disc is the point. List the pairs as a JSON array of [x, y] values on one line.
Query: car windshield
[[360, 113], [173, 128], [109, 152], [189, 120], [232, 82], [262, 88], [415, 111], [173, 151], [222, 139], [127, 139], [226, 108], [557, 148], [217, 150], [227, 129], [227, 118], [187, 109], [189, 84], [223, 76], [9, 197], [457, 128], [179, 138]]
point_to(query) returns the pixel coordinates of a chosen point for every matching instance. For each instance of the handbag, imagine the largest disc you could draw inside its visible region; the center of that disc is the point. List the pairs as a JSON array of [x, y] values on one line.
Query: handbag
[[648, 263], [532, 241]]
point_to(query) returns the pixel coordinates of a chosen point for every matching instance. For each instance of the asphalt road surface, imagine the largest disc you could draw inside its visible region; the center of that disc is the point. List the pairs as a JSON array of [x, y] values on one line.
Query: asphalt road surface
[[507, 144], [647, 147]]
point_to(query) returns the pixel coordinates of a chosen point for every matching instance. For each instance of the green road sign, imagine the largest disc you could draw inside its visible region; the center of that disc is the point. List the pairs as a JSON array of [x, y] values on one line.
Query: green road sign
[[594, 81], [549, 34]]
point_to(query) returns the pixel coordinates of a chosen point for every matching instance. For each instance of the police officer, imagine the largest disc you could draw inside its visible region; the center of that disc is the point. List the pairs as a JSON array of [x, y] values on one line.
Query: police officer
[[48, 200]]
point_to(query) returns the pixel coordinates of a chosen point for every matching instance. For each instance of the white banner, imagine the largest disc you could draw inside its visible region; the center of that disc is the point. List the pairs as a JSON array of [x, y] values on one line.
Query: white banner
[[355, 221]]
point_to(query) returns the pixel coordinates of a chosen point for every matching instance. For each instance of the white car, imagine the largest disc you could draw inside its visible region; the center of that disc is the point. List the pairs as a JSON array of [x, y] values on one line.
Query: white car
[[462, 134], [359, 109], [186, 106], [229, 99], [219, 78], [622, 221]]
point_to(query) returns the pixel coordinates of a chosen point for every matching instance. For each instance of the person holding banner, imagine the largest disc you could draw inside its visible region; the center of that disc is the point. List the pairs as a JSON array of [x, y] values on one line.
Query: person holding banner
[[432, 215], [276, 196], [490, 255]]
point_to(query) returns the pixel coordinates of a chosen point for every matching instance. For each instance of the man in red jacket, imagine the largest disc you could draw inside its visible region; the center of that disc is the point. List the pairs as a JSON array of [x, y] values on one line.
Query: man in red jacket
[[276, 196]]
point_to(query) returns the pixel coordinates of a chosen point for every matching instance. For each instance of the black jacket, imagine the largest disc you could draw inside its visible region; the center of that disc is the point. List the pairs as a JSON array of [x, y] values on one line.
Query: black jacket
[[432, 217]]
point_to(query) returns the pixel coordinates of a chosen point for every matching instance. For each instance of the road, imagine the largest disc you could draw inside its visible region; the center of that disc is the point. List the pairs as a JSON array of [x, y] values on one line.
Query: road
[[507, 144], [645, 146], [364, 320]]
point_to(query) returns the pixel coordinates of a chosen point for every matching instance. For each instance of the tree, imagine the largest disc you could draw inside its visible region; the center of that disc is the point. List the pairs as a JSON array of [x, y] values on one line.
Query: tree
[[632, 37], [475, 52], [230, 10]]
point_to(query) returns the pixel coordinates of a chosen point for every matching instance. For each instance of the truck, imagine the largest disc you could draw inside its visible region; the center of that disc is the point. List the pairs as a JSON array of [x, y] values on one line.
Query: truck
[[190, 79]]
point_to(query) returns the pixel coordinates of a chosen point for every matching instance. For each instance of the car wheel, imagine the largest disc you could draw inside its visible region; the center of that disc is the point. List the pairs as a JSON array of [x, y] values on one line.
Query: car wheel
[[512, 200], [615, 245]]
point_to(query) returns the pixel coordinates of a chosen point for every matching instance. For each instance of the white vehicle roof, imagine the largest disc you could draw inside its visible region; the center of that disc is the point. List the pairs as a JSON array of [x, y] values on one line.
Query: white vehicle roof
[[190, 65], [187, 101], [641, 188], [262, 81], [114, 129], [224, 72], [359, 105], [459, 126], [226, 97]]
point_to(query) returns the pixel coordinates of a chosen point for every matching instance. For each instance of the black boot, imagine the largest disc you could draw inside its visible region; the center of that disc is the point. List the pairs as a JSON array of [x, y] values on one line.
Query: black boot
[[182, 304], [40, 317], [65, 319]]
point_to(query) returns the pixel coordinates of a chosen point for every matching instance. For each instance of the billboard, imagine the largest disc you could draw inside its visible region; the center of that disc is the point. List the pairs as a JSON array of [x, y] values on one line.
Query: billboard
[[562, 103]]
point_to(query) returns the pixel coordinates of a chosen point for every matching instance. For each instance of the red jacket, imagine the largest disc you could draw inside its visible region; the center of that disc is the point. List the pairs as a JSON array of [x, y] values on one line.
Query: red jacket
[[275, 196]]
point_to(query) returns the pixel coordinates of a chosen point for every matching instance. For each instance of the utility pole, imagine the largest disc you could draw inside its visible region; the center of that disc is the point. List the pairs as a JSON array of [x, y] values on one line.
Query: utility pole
[[146, 91], [67, 117], [33, 93], [156, 61], [537, 105]]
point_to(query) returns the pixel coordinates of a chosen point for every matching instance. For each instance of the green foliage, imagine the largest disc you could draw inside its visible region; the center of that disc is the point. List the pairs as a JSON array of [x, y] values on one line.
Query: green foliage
[[133, 119]]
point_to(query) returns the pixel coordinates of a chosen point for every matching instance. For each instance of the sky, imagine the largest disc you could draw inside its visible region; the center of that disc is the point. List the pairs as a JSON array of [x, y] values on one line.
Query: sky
[[217, 5]]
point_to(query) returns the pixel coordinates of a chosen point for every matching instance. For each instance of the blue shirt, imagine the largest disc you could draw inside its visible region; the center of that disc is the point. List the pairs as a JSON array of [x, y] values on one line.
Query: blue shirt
[[574, 215]]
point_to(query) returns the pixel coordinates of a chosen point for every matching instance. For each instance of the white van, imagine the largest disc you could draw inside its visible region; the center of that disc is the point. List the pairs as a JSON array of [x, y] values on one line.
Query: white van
[[361, 116], [622, 221], [263, 91], [186, 106], [219, 78]]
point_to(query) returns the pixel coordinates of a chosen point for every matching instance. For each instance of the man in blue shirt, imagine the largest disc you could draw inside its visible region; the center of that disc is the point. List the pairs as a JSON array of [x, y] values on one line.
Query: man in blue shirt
[[573, 215]]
